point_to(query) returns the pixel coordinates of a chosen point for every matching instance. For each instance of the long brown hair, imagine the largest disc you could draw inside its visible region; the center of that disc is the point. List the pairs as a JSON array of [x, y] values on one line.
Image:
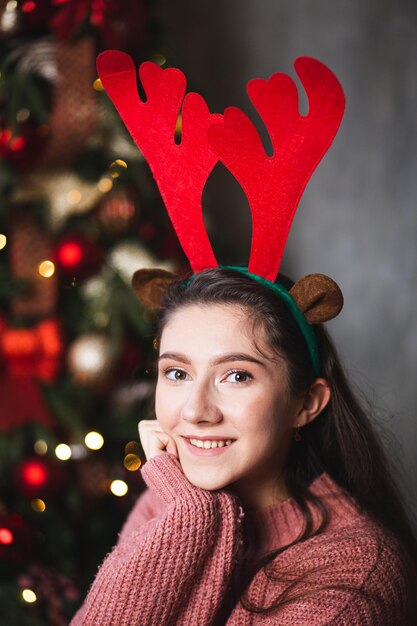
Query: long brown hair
[[342, 441]]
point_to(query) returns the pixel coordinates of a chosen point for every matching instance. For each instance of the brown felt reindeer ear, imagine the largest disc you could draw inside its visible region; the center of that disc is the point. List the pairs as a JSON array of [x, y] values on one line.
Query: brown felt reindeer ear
[[318, 297], [149, 286]]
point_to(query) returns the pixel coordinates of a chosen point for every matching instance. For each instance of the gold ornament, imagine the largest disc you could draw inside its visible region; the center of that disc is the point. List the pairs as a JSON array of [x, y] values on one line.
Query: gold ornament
[[127, 257], [67, 194], [90, 358]]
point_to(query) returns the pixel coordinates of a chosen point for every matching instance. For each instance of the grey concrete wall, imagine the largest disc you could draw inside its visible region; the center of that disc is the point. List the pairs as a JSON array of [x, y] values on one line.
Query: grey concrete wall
[[357, 220]]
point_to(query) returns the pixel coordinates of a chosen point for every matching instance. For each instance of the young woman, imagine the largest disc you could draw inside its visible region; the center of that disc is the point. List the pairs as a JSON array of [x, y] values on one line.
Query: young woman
[[269, 497]]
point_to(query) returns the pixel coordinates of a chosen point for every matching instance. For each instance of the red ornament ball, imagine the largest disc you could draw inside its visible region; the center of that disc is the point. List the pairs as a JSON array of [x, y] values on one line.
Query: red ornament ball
[[16, 540], [70, 254], [39, 478], [6, 536], [76, 256], [22, 149]]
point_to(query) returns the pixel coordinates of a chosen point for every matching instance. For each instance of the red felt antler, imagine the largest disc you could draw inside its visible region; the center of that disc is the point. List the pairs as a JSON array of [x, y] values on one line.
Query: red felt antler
[[180, 171], [274, 185]]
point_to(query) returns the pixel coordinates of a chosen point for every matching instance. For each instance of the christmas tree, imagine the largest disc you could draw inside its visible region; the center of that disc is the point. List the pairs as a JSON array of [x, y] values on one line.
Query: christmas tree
[[79, 213]]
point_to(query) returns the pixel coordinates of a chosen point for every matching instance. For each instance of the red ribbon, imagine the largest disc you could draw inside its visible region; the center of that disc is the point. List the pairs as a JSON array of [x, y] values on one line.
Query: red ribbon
[[34, 352]]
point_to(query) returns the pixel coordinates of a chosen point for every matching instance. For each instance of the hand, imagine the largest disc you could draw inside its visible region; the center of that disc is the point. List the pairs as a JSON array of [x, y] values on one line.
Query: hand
[[154, 440]]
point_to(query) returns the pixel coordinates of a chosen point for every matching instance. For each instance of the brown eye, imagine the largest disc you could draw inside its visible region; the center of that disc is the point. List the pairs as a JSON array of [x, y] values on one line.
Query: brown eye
[[238, 377], [176, 374]]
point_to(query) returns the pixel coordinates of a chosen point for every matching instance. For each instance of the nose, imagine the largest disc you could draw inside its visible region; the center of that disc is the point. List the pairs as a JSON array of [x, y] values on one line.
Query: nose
[[200, 405]]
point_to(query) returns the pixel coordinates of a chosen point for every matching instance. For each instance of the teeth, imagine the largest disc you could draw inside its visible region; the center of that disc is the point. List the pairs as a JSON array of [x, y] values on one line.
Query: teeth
[[210, 444]]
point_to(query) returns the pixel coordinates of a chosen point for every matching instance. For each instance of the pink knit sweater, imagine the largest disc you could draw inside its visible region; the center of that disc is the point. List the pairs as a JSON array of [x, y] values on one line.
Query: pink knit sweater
[[181, 546]]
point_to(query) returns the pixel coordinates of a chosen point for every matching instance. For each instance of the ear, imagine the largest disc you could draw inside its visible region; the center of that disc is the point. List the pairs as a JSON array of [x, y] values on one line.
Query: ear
[[149, 285], [314, 402], [318, 297]]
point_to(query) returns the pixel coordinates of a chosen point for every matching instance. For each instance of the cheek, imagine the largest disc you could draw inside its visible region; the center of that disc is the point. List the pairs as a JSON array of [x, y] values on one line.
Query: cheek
[[165, 409], [265, 419]]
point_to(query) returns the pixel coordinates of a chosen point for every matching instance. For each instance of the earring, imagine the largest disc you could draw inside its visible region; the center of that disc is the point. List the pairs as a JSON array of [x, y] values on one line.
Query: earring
[[155, 344], [297, 434]]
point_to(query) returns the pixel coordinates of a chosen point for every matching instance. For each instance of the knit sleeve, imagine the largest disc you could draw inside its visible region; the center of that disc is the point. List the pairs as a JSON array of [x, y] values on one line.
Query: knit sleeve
[[172, 569], [147, 507], [354, 579]]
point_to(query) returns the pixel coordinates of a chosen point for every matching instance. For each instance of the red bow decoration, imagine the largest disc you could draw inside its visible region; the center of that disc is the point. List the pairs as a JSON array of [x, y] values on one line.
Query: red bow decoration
[[32, 352]]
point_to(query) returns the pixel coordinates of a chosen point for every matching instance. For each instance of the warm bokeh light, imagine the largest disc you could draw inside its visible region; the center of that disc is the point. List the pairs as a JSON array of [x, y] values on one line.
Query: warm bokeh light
[[98, 85], [41, 447], [159, 58], [63, 452], [132, 447], [120, 163], [6, 536], [74, 196], [105, 184], [29, 596], [119, 488], [22, 115], [94, 440], [46, 269], [132, 462], [38, 505], [3, 241]]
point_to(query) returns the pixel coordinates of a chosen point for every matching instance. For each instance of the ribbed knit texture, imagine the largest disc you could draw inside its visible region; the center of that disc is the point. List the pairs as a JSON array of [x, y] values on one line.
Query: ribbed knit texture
[[181, 547]]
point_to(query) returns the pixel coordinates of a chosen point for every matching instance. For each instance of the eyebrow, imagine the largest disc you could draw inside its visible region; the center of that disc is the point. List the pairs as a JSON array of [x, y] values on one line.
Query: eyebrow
[[223, 358]]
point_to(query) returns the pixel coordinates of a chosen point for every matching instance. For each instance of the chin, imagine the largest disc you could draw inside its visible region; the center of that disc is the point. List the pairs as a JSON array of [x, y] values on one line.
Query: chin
[[204, 480]]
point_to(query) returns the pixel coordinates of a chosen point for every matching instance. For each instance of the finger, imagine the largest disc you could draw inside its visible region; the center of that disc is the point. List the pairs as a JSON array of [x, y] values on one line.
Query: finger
[[154, 440]]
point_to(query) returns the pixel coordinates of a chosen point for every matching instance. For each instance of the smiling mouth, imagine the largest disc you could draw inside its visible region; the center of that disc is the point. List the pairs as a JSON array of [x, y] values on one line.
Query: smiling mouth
[[207, 443]]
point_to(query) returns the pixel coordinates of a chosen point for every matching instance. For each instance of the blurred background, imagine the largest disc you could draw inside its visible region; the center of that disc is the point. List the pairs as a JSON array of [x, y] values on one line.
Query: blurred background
[[79, 212]]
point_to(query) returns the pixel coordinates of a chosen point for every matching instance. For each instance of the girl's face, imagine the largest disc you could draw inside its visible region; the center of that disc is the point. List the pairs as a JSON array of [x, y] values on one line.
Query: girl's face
[[226, 406]]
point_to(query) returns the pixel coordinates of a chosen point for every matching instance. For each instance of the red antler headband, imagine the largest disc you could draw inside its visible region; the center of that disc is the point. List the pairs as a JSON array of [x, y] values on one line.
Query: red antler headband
[[273, 184]]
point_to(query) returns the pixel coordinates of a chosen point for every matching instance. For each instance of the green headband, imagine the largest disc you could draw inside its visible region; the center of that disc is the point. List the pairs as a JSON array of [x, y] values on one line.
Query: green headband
[[283, 294]]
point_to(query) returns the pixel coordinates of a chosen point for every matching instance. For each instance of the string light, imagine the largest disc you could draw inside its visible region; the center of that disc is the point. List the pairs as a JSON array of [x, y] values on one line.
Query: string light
[[132, 447], [120, 163], [119, 488], [6, 536], [78, 451], [74, 196], [3, 241], [46, 269], [116, 166], [98, 85], [159, 58], [38, 505], [178, 125], [29, 596], [41, 447], [63, 452], [105, 184], [132, 462], [94, 440], [22, 115]]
